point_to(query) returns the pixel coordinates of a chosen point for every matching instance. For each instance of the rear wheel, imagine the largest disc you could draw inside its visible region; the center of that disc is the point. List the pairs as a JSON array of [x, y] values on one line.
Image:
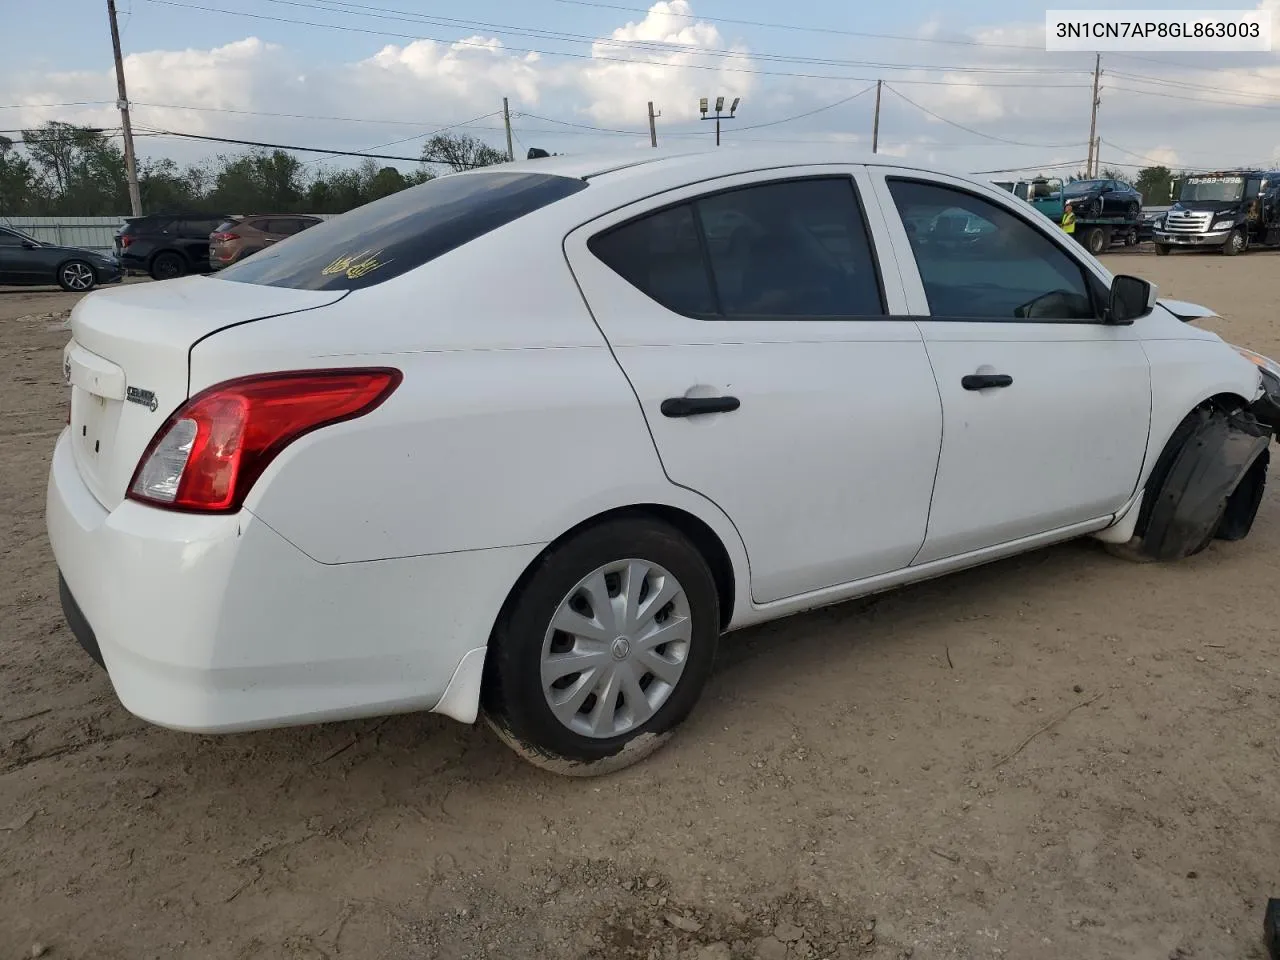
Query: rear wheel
[[604, 649], [76, 276], [1132, 210], [1095, 240], [167, 266]]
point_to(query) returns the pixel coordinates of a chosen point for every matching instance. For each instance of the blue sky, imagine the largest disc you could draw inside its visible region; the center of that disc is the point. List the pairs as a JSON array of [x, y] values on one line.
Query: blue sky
[[989, 102]]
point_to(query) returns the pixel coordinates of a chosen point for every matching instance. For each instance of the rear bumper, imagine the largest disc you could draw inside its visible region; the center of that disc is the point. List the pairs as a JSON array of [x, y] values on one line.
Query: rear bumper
[[217, 624]]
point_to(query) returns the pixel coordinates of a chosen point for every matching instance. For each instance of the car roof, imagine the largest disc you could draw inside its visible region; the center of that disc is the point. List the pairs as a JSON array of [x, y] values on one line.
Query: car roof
[[655, 170]]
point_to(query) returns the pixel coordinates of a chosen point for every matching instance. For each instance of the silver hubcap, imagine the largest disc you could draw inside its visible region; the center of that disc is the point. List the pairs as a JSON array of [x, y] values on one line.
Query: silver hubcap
[[77, 276], [1237, 241], [616, 648]]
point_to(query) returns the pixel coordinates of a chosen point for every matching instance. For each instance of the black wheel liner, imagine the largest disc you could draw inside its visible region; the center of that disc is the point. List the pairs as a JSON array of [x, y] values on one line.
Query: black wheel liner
[[1192, 498]]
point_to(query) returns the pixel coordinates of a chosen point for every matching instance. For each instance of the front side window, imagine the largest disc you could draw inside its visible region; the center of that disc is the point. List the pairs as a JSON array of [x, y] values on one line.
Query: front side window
[[978, 261], [795, 249], [402, 231], [8, 239]]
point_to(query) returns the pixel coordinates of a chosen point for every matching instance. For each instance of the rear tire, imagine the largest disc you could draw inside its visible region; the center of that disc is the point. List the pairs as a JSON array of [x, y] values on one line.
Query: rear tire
[[167, 266], [1095, 240], [588, 603]]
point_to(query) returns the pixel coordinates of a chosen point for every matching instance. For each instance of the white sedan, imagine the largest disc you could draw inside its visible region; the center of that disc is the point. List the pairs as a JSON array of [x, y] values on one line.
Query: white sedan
[[528, 440]]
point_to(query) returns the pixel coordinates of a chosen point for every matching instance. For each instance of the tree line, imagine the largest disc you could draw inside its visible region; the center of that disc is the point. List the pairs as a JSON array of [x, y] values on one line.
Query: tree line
[[61, 169], [66, 170]]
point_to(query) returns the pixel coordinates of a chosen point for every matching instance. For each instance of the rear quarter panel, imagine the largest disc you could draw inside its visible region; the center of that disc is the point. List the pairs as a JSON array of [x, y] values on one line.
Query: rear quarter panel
[[513, 423]]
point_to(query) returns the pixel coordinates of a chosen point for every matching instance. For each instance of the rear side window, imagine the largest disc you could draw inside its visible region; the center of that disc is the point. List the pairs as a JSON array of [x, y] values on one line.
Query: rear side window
[[402, 231], [795, 249], [201, 227], [661, 256], [226, 226]]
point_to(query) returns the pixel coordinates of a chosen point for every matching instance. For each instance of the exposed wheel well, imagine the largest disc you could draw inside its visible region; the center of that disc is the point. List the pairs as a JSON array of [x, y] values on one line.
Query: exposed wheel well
[[700, 535], [1220, 401]]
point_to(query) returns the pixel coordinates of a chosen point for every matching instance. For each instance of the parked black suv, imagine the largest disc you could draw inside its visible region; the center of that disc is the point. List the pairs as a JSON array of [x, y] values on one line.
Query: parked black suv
[[167, 245]]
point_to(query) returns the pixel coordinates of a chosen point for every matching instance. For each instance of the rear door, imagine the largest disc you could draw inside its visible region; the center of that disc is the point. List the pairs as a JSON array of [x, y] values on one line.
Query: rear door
[[756, 326], [1046, 409], [194, 237]]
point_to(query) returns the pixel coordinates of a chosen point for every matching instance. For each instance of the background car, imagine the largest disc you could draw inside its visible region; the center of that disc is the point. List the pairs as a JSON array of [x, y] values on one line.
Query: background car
[[238, 237], [1103, 198], [167, 245], [25, 261]]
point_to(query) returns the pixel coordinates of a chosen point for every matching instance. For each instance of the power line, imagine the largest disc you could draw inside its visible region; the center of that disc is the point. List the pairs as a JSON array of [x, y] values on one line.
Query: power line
[[978, 133], [41, 106], [390, 143], [387, 13], [1182, 85], [807, 113], [292, 116], [1150, 160], [581, 56], [788, 26], [286, 146], [1174, 96], [1030, 166]]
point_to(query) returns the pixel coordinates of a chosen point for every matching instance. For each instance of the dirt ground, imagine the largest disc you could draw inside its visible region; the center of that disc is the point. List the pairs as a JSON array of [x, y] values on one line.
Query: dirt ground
[[1059, 756]]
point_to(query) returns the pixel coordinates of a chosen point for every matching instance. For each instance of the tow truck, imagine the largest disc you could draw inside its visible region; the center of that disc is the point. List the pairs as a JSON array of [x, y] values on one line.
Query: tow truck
[[1232, 210], [1094, 233]]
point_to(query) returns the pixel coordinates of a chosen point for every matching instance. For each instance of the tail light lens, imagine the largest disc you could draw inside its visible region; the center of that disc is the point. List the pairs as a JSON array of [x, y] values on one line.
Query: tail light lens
[[125, 240], [210, 452], [223, 237]]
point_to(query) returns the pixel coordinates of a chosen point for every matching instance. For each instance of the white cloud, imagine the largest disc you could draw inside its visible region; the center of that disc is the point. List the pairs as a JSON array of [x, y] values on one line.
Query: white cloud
[[668, 72], [658, 56]]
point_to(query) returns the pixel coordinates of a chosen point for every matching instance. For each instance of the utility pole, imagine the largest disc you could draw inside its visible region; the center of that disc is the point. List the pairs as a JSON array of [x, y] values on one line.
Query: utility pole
[[506, 119], [875, 124], [1092, 163], [653, 129], [130, 161]]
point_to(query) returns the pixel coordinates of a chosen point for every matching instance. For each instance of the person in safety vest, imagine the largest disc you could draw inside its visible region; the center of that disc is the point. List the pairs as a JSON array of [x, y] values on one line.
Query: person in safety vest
[[1069, 220]]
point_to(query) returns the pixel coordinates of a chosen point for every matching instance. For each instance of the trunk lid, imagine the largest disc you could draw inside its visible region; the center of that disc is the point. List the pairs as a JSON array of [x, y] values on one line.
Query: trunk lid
[[128, 363]]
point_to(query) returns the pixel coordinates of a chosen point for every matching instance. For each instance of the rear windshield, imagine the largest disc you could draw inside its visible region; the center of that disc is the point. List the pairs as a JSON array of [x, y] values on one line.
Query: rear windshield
[[394, 235], [226, 225]]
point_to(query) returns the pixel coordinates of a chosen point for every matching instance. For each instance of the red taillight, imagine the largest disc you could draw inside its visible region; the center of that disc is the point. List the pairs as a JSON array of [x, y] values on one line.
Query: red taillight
[[210, 452], [125, 240], [223, 237]]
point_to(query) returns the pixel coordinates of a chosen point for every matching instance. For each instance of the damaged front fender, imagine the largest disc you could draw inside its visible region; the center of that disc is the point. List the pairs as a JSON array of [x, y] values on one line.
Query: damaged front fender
[[1212, 487]]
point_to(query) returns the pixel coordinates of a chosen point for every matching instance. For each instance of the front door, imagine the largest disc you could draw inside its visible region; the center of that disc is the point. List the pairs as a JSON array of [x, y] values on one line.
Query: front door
[[753, 321], [1045, 408]]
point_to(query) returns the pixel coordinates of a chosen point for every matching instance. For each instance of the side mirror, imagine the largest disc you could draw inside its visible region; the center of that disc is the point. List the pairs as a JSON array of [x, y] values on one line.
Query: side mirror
[[1131, 299], [29, 245]]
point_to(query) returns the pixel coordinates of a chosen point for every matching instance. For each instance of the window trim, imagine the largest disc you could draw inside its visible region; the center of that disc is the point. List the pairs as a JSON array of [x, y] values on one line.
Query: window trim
[[1093, 283], [720, 316]]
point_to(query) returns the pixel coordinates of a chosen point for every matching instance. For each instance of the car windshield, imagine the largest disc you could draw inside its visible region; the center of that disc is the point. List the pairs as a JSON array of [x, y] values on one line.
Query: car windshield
[[1212, 188], [398, 233], [1081, 187]]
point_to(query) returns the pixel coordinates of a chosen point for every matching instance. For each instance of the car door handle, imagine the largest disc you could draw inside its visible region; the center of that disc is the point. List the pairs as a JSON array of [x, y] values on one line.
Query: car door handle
[[982, 381], [696, 406]]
